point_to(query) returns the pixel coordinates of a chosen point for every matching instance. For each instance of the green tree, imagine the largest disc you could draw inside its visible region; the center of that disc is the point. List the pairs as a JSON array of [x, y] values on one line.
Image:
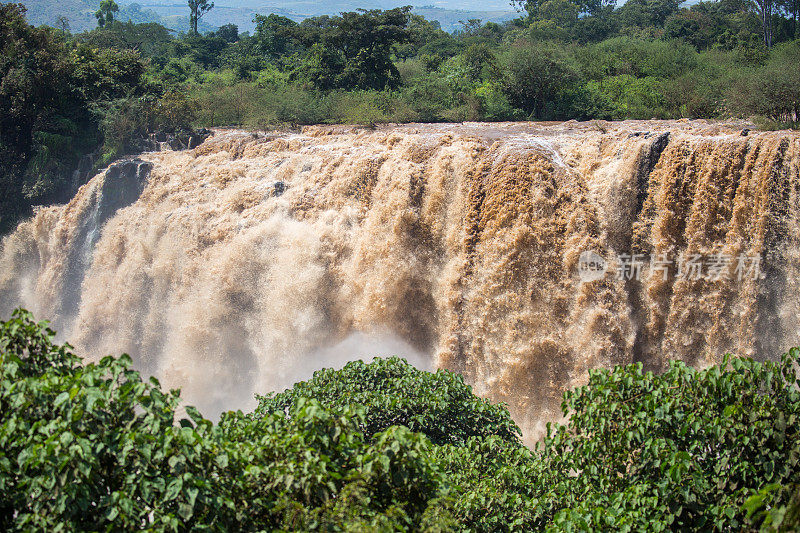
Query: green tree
[[392, 392], [105, 14], [770, 90], [353, 50], [765, 10], [274, 35], [228, 33], [683, 450], [198, 8], [94, 447], [204, 50], [48, 90], [62, 23], [534, 7], [536, 77], [481, 63], [244, 57], [420, 33], [39, 110], [151, 40], [693, 26], [647, 13], [792, 8]]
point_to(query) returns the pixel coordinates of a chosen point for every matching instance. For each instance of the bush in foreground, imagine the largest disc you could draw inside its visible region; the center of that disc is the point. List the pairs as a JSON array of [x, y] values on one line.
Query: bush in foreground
[[394, 393], [383, 446]]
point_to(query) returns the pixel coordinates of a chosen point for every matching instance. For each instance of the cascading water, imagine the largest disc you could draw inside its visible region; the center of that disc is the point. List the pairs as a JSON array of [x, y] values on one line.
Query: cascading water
[[244, 264]]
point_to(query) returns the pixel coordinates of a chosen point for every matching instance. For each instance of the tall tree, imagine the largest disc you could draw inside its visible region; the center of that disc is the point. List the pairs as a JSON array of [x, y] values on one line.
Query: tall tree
[[792, 10], [765, 10], [353, 50], [584, 7], [274, 34], [35, 75], [649, 13], [537, 77], [105, 15], [198, 8], [62, 23]]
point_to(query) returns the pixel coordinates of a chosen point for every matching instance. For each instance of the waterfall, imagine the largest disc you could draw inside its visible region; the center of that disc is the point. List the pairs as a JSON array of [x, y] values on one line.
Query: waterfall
[[247, 262]]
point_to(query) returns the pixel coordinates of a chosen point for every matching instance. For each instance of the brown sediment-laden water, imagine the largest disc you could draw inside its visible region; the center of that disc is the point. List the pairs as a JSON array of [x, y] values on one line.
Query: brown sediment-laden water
[[520, 255]]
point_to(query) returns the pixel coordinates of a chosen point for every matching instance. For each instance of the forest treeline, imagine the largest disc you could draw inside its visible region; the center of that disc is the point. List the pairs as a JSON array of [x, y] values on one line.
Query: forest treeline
[[103, 91]]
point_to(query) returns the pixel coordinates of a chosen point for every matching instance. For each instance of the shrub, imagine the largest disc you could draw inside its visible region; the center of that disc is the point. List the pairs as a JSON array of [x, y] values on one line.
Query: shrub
[[386, 447], [700, 92], [430, 97], [175, 111], [771, 90], [629, 97], [179, 71], [637, 58], [536, 77], [251, 105], [494, 104], [412, 70], [125, 123], [358, 107], [393, 392], [93, 448], [683, 450]]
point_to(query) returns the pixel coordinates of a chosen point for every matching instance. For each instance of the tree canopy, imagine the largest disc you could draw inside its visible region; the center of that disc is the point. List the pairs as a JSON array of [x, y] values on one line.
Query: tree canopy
[[392, 392], [351, 51], [198, 8], [383, 446], [560, 60], [105, 14]]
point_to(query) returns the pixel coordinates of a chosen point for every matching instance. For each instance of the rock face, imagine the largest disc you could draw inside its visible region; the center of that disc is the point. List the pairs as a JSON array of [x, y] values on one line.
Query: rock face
[[77, 231], [187, 140], [461, 245], [123, 182], [153, 143], [278, 188], [81, 174]]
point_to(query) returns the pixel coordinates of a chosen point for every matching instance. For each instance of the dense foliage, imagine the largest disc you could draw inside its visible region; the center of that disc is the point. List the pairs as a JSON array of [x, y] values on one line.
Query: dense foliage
[[394, 393], [101, 92], [46, 90], [682, 450], [62, 99], [95, 447]]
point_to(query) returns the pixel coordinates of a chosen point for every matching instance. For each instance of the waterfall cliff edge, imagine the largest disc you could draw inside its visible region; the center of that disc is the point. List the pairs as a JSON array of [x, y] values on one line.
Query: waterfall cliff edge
[[521, 255]]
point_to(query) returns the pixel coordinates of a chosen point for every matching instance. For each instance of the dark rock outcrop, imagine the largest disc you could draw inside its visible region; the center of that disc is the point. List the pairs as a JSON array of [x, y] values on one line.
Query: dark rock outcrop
[[647, 162], [123, 184], [180, 140]]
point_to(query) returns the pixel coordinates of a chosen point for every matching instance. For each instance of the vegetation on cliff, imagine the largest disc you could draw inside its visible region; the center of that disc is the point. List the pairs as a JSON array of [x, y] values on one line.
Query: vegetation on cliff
[[383, 446], [101, 92], [61, 99]]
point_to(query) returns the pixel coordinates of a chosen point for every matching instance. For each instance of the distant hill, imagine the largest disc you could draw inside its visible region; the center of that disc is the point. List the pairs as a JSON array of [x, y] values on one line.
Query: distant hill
[[174, 13], [79, 12], [450, 18]]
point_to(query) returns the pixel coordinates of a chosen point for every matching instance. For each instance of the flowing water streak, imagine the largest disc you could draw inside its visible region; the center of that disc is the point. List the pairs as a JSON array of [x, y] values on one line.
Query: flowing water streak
[[248, 262]]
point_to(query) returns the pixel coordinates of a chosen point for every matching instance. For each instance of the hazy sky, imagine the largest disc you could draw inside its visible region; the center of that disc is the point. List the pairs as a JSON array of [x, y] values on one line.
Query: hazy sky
[[240, 12], [467, 5]]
